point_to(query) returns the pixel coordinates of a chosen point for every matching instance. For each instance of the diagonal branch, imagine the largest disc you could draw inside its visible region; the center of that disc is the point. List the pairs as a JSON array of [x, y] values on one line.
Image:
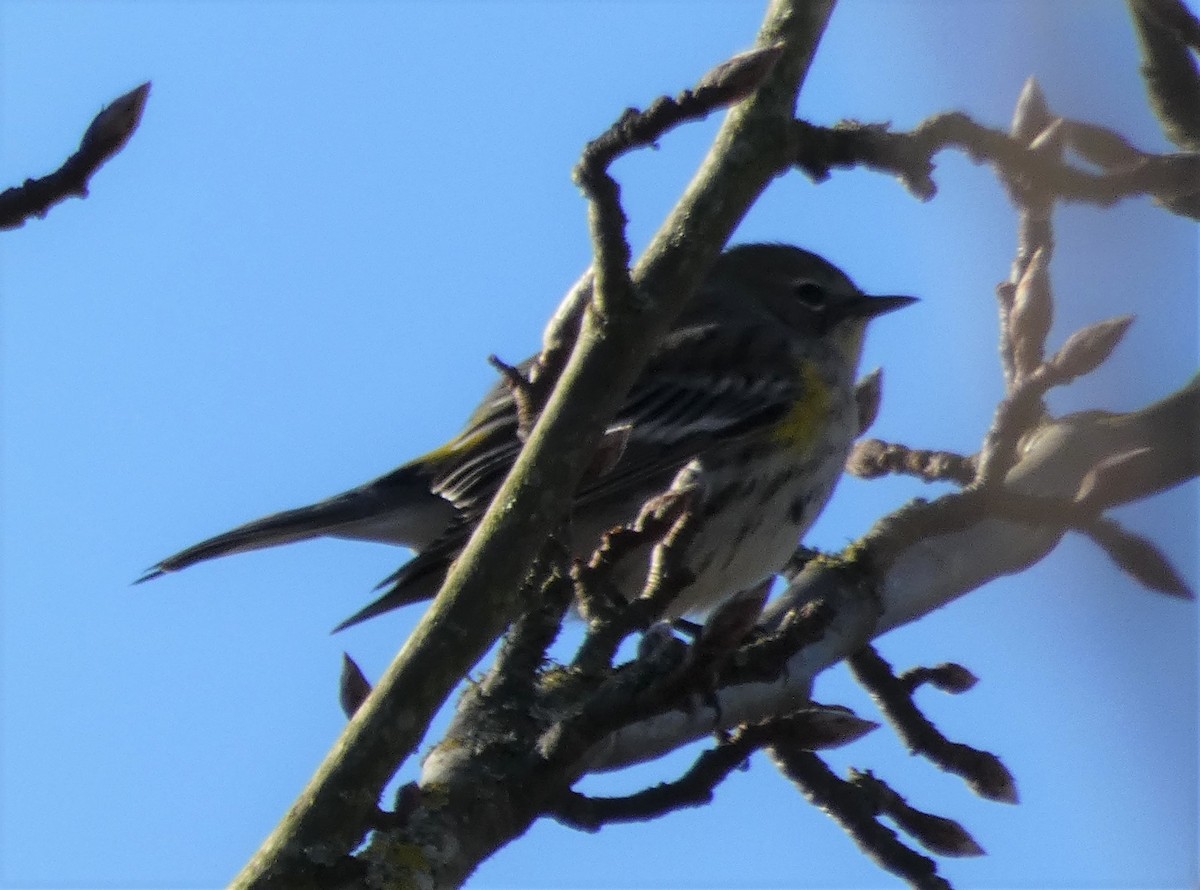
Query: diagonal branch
[[333, 815], [914, 571]]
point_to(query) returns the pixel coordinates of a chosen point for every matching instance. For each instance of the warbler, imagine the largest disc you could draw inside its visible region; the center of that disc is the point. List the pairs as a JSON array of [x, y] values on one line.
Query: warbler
[[750, 395]]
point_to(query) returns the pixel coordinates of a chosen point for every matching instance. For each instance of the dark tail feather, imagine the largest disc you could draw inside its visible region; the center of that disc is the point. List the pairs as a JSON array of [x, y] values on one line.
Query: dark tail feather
[[417, 580], [397, 508], [150, 574], [279, 528]]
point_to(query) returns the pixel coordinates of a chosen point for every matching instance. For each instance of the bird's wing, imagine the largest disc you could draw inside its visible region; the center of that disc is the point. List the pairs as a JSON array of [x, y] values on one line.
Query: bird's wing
[[418, 579], [700, 391], [702, 388]]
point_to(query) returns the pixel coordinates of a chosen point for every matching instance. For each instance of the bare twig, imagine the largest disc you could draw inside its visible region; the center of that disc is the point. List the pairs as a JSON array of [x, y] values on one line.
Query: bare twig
[[728, 83], [107, 135], [873, 458], [909, 156], [814, 728], [1028, 319], [525, 396], [849, 807], [949, 677], [935, 833], [694, 788], [663, 524], [983, 772]]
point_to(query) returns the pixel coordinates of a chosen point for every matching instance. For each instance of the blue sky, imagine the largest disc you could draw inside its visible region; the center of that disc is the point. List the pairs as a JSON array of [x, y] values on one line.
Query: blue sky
[[287, 284]]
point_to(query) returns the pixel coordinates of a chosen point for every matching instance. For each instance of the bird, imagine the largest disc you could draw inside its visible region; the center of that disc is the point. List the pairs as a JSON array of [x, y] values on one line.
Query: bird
[[750, 396]]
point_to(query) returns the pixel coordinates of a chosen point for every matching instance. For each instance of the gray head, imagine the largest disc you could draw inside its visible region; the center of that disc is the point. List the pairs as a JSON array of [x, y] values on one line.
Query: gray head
[[801, 290]]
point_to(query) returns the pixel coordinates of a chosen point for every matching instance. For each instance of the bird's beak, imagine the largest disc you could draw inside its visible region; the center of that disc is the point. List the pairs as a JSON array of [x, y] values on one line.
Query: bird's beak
[[869, 306]]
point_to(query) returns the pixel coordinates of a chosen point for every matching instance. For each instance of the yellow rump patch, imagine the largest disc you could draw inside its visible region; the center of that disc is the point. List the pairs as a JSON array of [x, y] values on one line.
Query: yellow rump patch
[[802, 425]]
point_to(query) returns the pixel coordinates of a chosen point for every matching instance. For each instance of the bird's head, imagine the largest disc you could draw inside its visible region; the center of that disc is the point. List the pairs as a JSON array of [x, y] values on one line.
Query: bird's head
[[803, 291]]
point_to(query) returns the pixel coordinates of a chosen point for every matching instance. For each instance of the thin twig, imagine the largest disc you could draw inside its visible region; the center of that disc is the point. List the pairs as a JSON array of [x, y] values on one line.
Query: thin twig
[[983, 772], [107, 135]]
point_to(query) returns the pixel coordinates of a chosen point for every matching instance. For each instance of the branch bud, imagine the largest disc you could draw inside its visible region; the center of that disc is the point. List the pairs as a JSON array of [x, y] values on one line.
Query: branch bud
[[1138, 558], [1087, 349], [353, 687], [868, 395], [1031, 114], [821, 727], [740, 76], [116, 122], [732, 621]]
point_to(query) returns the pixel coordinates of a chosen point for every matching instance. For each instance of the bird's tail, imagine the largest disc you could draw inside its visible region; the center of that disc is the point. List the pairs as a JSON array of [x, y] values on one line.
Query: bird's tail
[[417, 580], [396, 509], [270, 531]]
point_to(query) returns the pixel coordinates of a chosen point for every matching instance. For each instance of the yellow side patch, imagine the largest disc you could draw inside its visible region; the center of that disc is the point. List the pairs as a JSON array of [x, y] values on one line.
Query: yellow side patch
[[459, 444], [802, 425]]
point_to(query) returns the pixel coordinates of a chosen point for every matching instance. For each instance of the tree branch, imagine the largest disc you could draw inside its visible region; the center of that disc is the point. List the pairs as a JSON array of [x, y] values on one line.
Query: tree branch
[[914, 563], [1169, 178], [1169, 34], [333, 815], [486, 782], [107, 135]]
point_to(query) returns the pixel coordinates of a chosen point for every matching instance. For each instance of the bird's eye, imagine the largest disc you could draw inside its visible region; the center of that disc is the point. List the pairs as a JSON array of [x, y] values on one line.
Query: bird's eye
[[811, 294]]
